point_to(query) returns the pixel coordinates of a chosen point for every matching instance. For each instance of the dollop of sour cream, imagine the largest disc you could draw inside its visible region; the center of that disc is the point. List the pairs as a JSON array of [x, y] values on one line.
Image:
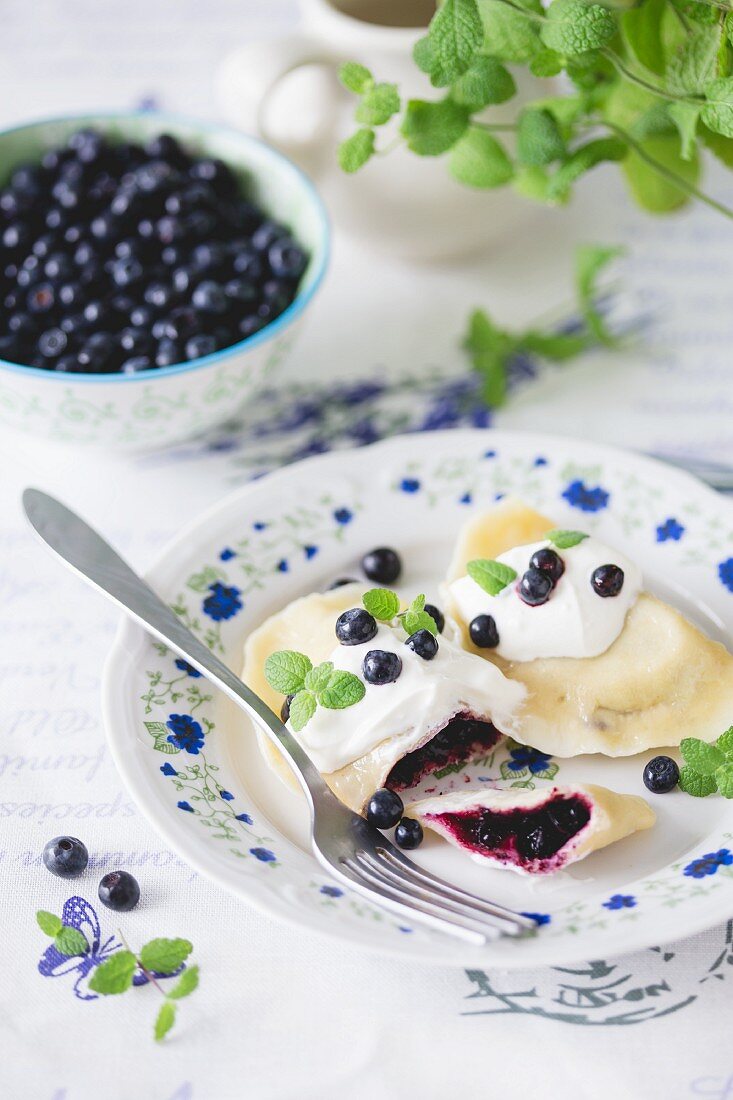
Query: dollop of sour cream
[[423, 698], [574, 622]]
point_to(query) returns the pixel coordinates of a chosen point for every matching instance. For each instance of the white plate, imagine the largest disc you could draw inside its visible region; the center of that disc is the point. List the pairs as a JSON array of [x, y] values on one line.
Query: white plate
[[290, 533]]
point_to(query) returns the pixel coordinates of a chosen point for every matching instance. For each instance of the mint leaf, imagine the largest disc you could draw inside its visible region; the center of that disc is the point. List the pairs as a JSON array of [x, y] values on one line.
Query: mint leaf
[[557, 346], [563, 540], [49, 922], [590, 261], [356, 150], [492, 576], [724, 779], [165, 956], [285, 670], [581, 161], [699, 786], [539, 140], [455, 34], [70, 941], [719, 146], [705, 759], [652, 186], [378, 105], [487, 82], [186, 984], [546, 63], [418, 603], [490, 349], [343, 690], [479, 160], [685, 117], [318, 677], [165, 1020], [641, 31], [717, 113], [302, 709], [413, 621], [114, 975], [382, 603], [423, 55], [511, 35], [725, 742], [355, 77], [432, 128], [693, 66], [574, 27]]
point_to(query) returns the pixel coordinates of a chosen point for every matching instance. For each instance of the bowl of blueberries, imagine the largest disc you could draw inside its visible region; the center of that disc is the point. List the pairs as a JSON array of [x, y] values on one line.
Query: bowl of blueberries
[[153, 269]]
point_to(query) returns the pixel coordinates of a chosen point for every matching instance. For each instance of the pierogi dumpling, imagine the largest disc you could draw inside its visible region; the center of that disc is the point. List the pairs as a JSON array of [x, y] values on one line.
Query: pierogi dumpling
[[533, 831], [436, 712], [660, 679]]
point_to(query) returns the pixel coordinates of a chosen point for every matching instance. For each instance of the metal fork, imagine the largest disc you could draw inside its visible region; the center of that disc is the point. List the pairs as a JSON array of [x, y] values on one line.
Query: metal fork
[[344, 843]]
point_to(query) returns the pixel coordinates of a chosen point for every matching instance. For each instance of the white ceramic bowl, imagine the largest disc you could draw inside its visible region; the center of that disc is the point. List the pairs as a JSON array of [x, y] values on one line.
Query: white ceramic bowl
[[170, 404]]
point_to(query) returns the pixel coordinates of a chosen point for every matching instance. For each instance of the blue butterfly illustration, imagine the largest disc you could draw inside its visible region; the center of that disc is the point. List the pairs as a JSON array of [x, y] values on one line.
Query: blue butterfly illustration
[[78, 913]]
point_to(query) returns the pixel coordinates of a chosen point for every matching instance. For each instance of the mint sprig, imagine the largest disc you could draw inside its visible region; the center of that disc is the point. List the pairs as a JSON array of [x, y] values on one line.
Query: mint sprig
[[417, 618], [292, 673], [382, 603], [492, 576], [708, 767], [563, 540], [158, 958]]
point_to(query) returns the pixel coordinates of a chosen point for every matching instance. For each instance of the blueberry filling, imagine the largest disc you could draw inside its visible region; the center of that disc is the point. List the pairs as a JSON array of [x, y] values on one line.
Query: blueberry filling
[[518, 836], [464, 738]]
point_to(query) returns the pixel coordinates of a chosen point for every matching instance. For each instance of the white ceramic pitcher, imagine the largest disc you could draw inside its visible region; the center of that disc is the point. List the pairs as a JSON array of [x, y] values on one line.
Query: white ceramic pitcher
[[399, 203]]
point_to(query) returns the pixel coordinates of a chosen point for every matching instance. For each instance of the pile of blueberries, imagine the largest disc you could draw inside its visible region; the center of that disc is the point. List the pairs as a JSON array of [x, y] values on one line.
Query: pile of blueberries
[[128, 257], [536, 586], [67, 857]]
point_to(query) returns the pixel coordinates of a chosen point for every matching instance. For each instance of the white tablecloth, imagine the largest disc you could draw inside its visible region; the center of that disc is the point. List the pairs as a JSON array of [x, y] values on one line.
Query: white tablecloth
[[282, 1013]]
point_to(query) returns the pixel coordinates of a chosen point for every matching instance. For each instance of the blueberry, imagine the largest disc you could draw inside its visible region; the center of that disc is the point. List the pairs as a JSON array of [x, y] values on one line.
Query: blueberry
[[104, 227], [21, 325], [68, 364], [241, 291], [183, 278], [381, 666], [74, 324], [9, 349], [607, 580], [547, 561], [165, 147], [85, 253], [136, 341], [661, 775], [158, 295], [423, 643], [483, 632], [97, 353], [356, 626], [71, 294], [142, 316], [436, 615], [210, 297], [126, 271], [182, 323], [287, 259], [382, 565], [340, 582], [535, 587], [65, 856], [210, 256], [248, 326], [16, 237], [285, 708], [136, 363], [119, 890], [248, 265], [217, 173], [408, 833], [58, 266], [198, 346], [41, 298], [168, 353], [266, 234], [384, 809], [53, 343]]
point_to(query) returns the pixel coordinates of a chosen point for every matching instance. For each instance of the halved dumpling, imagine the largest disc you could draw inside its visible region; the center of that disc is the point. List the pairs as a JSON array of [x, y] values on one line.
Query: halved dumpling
[[446, 717], [661, 680], [533, 831]]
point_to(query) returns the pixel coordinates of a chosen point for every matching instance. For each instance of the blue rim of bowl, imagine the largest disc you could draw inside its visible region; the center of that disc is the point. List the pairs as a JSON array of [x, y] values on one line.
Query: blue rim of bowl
[[294, 310]]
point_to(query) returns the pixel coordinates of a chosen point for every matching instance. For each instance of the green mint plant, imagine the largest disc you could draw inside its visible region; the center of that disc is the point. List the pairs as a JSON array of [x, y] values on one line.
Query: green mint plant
[[491, 349], [650, 87], [159, 957], [385, 605], [708, 767], [292, 673]]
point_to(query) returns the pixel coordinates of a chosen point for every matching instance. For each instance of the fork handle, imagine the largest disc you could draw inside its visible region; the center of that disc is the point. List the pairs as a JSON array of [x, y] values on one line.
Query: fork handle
[[84, 549]]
